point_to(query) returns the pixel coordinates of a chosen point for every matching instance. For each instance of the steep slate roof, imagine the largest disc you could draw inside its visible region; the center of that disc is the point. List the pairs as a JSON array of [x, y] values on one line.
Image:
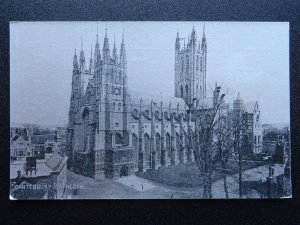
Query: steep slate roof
[[55, 162], [16, 137], [38, 139]]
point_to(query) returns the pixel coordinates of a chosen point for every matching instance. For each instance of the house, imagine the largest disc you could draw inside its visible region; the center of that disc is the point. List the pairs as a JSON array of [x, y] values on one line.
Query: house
[[39, 178]]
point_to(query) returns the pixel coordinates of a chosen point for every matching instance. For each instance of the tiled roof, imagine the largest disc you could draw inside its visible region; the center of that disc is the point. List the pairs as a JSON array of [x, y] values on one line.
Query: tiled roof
[[38, 139], [15, 138]]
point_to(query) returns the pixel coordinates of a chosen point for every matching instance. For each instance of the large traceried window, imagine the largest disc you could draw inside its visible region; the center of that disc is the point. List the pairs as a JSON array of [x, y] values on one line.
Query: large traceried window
[[181, 91], [186, 91], [86, 138], [201, 67], [135, 147], [147, 146], [187, 64], [119, 139], [168, 144], [120, 77], [177, 144], [112, 76]]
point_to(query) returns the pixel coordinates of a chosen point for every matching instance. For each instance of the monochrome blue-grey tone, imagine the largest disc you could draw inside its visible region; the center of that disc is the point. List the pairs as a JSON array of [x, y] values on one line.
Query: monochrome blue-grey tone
[[149, 110], [252, 57]]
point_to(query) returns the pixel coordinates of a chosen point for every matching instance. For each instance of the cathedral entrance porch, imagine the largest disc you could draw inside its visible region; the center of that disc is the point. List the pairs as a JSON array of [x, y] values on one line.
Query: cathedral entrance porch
[[124, 171]]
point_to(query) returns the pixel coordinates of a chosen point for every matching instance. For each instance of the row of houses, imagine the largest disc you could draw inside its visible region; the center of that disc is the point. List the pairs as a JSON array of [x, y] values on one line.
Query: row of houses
[[26, 142]]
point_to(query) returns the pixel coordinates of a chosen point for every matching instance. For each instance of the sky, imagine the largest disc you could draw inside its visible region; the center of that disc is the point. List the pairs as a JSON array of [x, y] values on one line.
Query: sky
[[247, 57]]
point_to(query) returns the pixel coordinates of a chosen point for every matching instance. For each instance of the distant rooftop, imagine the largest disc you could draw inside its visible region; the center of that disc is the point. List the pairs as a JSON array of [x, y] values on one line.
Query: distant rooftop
[[44, 167]]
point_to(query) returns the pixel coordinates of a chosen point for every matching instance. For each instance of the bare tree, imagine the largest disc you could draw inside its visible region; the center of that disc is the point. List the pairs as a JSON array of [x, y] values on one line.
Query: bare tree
[[241, 142], [202, 142], [223, 143]]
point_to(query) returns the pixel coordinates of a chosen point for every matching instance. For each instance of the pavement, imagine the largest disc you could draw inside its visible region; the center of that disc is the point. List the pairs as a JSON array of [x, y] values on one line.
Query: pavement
[[138, 183], [133, 187], [256, 174]]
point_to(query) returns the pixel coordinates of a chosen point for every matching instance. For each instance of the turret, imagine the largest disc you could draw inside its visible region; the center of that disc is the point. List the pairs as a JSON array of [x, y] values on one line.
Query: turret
[[238, 104], [97, 54], [203, 44], [177, 43], [82, 59], [204, 53], [91, 67], [193, 40], [106, 52], [123, 59], [115, 56], [75, 62]]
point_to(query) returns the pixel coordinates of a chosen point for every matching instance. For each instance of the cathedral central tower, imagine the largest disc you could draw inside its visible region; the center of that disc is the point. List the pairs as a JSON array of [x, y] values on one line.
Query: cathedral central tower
[[190, 67]]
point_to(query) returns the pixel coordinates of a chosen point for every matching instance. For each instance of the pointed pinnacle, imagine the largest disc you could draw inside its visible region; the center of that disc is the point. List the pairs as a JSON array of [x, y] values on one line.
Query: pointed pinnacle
[[97, 34]]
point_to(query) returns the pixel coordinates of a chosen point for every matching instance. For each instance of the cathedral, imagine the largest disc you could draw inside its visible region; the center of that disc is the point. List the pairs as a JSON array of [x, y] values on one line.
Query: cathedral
[[113, 131]]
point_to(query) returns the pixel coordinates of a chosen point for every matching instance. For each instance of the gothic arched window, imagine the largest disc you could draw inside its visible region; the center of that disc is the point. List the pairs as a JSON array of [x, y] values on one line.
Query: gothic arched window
[[182, 64], [135, 147], [187, 64], [181, 91], [186, 91], [157, 145], [112, 76], [147, 145], [86, 139], [177, 143], [157, 141], [201, 91], [120, 77], [168, 144], [119, 106], [197, 63], [119, 139], [201, 68]]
